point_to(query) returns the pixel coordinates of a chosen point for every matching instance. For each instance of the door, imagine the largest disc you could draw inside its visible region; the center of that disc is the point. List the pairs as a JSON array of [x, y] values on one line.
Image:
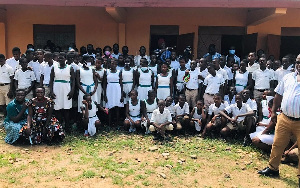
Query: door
[[273, 44], [249, 44], [183, 41]]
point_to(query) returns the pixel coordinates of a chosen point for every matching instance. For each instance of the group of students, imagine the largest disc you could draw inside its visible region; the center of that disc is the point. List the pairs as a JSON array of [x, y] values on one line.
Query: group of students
[[215, 94]]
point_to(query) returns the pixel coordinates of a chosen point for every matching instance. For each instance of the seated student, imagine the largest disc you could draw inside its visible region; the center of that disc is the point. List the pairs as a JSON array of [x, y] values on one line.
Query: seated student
[[251, 102], [43, 126], [171, 107], [215, 121], [230, 98], [239, 121], [161, 121], [182, 113], [17, 111], [90, 120], [134, 112], [150, 106], [24, 78], [198, 116], [264, 135]]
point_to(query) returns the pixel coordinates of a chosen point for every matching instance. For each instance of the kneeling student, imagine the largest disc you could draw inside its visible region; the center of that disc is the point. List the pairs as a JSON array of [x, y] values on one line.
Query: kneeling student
[[90, 119], [239, 120], [182, 113], [198, 115], [161, 120]]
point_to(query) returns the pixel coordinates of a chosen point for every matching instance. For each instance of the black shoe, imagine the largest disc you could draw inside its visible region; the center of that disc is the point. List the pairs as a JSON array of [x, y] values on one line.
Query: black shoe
[[268, 172], [247, 141], [156, 137]]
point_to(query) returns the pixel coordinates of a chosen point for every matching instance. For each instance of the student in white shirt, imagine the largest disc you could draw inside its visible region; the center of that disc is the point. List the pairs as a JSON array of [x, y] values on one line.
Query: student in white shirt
[[46, 68], [203, 74], [252, 65], [25, 78], [182, 112], [13, 62], [179, 75], [192, 84], [161, 121], [137, 59], [213, 84], [6, 83], [174, 63], [283, 70], [116, 51], [36, 65], [239, 120], [215, 121], [263, 79]]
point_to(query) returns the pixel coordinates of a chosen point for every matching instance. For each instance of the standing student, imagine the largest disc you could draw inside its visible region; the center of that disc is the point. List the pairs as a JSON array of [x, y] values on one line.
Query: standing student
[[192, 84], [283, 70], [230, 98], [263, 79], [179, 75], [113, 90], [46, 68], [116, 52], [164, 84], [24, 78], [107, 52], [222, 72], [36, 66], [203, 74], [134, 112], [153, 67], [137, 58], [62, 85], [121, 62], [128, 79], [212, 53], [99, 73], [174, 63], [252, 64], [87, 83], [242, 78], [232, 55], [144, 80], [6, 84], [13, 62], [212, 84]]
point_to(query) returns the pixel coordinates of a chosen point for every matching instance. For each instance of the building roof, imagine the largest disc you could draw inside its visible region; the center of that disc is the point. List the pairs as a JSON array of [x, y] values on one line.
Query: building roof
[[162, 3]]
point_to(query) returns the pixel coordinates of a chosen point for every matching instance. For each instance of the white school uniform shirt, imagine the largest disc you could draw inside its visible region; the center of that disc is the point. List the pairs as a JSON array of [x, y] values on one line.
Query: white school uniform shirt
[[223, 73], [36, 67], [229, 72], [159, 118], [75, 66], [262, 78], [175, 65], [46, 71], [137, 59], [171, 108], [216, 110], [236, 111], [193, 82], [13, 63], [116, 56], [5, 73], [252, 68], [226, 98], [252, 103], [213, 83], [24, 78], [280, 73], [180, 111], [204, 74]]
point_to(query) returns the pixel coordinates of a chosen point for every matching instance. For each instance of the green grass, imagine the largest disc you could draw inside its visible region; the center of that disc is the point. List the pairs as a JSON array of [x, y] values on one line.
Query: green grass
[[104, 157]]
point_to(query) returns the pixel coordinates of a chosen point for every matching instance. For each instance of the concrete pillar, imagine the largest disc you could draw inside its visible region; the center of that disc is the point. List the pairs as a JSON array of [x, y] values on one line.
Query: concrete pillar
[[3, 41]]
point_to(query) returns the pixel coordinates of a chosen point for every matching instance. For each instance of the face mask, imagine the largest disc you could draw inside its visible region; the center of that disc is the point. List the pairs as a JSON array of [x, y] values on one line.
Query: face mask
[[88, 64], [144, 69], [107, 53], [231, 52]]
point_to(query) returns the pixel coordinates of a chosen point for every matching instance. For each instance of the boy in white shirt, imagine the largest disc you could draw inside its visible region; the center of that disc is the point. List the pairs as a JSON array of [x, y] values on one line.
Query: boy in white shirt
[[263, 79], [182, 112], [213, 84], [13, 62], [137, 59], [240, 118], [6, 80], [46, 67], [24, 78], [161, 120]]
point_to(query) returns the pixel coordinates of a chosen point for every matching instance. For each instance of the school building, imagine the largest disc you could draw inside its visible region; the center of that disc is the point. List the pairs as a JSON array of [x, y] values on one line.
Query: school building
[[249, 25]]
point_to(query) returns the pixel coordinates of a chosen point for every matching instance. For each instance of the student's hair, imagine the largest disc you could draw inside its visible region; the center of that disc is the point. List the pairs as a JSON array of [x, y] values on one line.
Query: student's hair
[[19, 90], [143, 60], [288, 58], [40, 50], [150, 91], [218, 95], [136, 92], [85, 57], [181, 96], [48, 54], [169, 97], [86, 95], [100, 59], [62, 53], [181, 58], [164, 63], [239, 94], [254, 53], [41, 87], [28, 52], [199, 100], [2, 56], [106, 47], [16, 49], [23, 60]]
